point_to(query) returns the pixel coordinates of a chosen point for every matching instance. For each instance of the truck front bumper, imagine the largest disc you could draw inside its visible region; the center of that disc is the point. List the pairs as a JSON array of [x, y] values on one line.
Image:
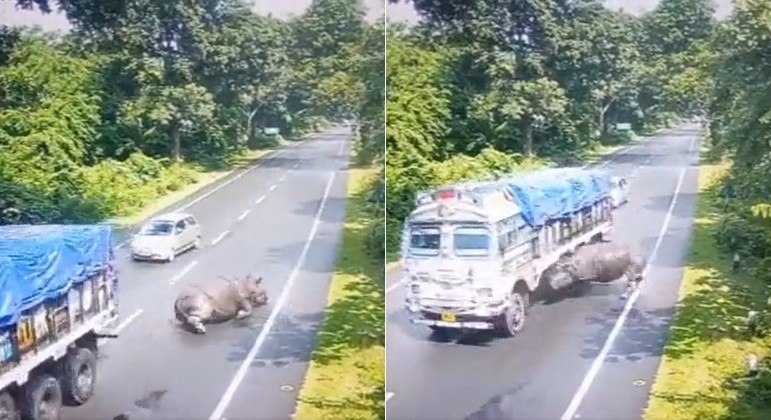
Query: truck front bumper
[[478, 317]]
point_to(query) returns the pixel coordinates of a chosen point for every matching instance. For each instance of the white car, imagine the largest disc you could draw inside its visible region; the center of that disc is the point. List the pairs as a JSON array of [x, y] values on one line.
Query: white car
[[164, 237], [619, 190]]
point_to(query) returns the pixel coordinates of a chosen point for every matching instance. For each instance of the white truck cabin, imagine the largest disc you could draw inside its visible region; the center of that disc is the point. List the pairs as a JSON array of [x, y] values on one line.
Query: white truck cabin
[[470, 260], [455, 244]]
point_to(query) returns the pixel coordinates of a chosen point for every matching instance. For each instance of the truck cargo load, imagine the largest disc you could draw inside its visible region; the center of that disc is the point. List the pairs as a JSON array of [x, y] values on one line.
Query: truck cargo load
[[556, 193], [58, 288]]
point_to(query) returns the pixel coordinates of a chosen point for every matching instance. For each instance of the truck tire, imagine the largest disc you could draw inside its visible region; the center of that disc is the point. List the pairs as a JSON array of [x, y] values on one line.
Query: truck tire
[[513, 320], [41, 399], [78, 376], [8, 407]]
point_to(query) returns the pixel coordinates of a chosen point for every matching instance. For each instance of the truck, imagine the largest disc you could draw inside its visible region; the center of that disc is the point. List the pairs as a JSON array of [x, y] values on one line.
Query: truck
[[58, 298], [473, 253]]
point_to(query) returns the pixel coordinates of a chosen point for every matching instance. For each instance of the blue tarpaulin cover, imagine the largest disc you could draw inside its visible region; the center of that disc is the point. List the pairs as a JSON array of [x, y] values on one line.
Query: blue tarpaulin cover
[[550, 194], [42, 262]]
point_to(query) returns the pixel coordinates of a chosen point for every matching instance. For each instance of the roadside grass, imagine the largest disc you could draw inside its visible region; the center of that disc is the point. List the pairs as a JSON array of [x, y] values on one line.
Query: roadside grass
[[703, 369], [345, 378]]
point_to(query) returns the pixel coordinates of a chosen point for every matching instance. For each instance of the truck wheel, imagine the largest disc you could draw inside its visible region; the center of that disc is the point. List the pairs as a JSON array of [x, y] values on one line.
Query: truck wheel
[[79, 376], [8, 407], [513, 320], [42, 399]]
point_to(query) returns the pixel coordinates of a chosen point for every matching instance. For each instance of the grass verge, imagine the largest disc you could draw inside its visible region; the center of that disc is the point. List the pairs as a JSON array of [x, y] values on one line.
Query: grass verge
[[702, 372], [346, 376]]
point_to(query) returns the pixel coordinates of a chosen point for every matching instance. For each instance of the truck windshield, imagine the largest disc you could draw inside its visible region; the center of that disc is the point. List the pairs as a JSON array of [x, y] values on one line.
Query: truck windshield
[[471, 241], [424, 241]]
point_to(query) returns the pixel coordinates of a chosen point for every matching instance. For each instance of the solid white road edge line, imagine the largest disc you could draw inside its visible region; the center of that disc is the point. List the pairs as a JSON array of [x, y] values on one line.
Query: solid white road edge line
[[220, 237], [241, 372], [394, 286], [182, 272], [594, 369], [388, 396]]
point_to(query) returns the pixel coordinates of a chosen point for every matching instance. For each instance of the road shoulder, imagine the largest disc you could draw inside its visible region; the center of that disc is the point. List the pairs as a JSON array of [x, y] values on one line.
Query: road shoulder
[[345, 378], [703, 369]]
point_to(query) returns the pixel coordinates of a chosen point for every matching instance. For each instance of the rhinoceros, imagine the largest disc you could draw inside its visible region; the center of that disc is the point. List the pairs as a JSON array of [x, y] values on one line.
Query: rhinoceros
[[605, 262], [217, 303]]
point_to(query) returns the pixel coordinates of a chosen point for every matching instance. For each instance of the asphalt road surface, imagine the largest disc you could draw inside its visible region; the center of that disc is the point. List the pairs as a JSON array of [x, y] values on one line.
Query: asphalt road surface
[[281, 220], [574, 359]]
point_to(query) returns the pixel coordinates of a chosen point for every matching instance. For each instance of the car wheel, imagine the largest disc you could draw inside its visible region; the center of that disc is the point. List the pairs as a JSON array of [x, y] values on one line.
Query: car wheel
[[197, 244], [171, 256]]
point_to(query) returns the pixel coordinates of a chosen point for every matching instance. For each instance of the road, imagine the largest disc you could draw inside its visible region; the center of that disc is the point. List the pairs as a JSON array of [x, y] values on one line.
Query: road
[[281, 220], [592, 356]]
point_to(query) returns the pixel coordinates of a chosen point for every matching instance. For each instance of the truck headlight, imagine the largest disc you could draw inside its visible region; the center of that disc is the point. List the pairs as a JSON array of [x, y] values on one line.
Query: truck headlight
[[415, 288], [485, 292]]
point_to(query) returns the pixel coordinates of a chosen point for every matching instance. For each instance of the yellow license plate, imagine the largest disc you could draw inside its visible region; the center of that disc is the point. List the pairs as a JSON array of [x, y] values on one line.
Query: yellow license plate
[[448, 317]]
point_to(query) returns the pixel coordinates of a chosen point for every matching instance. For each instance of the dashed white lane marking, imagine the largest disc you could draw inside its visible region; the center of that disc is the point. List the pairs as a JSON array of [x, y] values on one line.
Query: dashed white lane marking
[[243, 215], [281, 179], [296, 165], [259, 200], [594, 369], [128, 320], [220, 237], [229, 181], [177, 277], [277, 306], [388, 396], [272, 187]]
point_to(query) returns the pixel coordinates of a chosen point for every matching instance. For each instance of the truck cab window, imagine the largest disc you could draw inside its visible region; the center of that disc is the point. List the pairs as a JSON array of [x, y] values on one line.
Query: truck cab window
[[424, 242], [471, 241]]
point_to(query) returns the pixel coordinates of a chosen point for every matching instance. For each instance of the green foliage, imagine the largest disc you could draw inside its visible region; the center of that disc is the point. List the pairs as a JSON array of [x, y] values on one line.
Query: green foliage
[[118, 111], [472, 90], [740, 124]]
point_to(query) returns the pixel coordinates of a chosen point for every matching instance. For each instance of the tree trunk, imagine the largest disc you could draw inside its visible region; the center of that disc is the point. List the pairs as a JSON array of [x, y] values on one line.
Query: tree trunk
[[601, 120], [176, 142], [527, 131]]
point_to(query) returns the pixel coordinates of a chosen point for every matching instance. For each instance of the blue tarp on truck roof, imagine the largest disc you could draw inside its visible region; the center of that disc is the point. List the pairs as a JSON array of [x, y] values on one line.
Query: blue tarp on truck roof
[[42, 262], [551, 194]]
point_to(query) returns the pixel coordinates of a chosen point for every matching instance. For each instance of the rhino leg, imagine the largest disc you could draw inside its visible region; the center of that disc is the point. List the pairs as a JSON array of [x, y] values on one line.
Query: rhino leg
[[245, 309], [197, 315], [196, 322], [633, 278]]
